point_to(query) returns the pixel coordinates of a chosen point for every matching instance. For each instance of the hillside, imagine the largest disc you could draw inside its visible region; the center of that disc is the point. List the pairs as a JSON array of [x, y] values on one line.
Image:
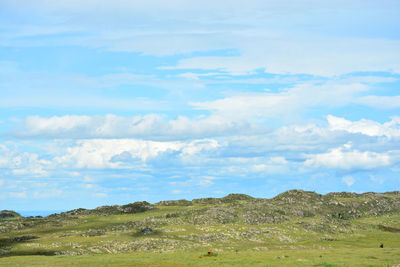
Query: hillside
[[294, 228]]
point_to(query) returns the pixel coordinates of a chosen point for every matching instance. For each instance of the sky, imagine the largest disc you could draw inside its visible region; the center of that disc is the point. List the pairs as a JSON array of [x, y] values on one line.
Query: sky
[[111, 102]]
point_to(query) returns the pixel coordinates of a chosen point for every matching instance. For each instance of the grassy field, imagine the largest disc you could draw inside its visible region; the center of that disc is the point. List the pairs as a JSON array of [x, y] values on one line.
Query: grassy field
[[313, 230], [275, 257]]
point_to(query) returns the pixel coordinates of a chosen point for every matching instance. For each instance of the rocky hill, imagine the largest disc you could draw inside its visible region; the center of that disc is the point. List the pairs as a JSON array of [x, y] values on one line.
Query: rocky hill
[[293, 219]]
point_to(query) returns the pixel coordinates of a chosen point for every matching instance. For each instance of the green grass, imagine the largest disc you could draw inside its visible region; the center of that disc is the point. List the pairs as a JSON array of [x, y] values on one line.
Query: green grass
[[289, 257]]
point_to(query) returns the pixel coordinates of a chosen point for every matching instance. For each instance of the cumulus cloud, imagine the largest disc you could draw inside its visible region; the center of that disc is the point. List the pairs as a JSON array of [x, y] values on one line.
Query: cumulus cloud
[[102, 153], [338, 145], [55, 125], [366, 127], [149, 126], [237, 114], [346, 158], [125, 153], [22, 163]]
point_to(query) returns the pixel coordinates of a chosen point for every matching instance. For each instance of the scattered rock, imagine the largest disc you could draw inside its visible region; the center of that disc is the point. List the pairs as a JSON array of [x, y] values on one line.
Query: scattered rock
[[180, 202], [147, 231]]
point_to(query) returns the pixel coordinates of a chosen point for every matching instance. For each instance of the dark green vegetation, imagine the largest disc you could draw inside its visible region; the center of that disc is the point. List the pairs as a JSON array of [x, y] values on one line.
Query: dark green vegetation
[[296, 228]]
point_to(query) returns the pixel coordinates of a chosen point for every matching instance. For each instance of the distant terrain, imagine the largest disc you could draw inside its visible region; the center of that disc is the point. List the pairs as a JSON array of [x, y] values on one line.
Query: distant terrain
[[295, 228]]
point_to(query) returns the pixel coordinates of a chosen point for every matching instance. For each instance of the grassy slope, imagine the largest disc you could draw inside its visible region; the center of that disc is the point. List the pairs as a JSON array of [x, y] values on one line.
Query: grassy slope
[[183, 237]]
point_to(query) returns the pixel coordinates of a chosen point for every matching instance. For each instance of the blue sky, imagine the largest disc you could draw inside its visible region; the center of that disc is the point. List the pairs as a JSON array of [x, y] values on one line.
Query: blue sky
[[110, 102]]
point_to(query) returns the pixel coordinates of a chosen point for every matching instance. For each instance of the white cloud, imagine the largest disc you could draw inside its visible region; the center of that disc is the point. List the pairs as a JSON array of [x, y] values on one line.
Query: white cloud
[[1, 182], [346, 159], [349, 180], [258, 30], [286, 150], [299, 55], [18, 194], [55, 124], [176, 191], [375, 179], [4, 156], [284, 104], [206, 181], [278, 160], [98, 153], [78, 101], [198, 146], [150, 126], [366, 127], [99, 195], [74, 174], [197, 76], [106, 153], [23, 163], [88, 179], [274, 165], [53, 193]]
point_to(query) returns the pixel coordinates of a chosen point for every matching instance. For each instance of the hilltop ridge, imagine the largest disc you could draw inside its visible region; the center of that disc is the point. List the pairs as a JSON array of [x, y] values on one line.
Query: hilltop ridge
[[299, 199]]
